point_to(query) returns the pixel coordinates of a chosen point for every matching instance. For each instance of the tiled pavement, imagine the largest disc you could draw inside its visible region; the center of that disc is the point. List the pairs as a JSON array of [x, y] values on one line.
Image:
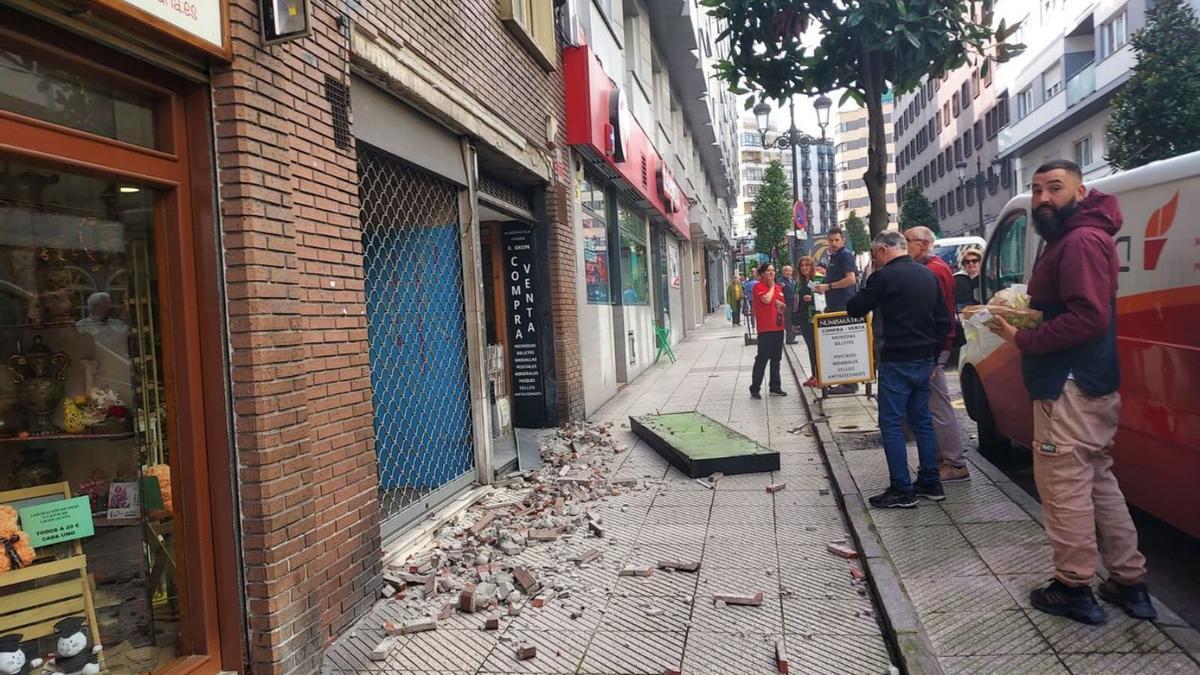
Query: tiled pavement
[[746, 539], [968, 564]]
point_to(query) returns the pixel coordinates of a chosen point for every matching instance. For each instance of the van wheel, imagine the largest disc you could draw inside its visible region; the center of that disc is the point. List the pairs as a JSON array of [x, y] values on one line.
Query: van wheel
[[991, 443]]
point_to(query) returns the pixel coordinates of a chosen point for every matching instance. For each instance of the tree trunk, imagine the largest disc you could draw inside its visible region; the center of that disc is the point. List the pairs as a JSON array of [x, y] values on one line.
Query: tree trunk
[[875, 176]]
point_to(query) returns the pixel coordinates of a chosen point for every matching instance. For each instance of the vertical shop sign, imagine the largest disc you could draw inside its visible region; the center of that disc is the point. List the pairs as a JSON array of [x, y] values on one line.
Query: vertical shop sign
[[523, 310]]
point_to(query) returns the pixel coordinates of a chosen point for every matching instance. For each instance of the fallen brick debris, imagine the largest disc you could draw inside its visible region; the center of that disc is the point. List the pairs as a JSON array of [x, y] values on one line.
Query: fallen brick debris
[[631, 571], [677, 566], [526, 652], [841, 550], [586, 557], [492, 623], [734, 599], [408, 627], [781, 659], [776, 487], [383, 649]]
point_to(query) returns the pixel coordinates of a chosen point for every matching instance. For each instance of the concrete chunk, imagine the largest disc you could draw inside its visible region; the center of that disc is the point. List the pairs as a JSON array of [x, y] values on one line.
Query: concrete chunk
[[383, 649], [526, 652], [776, 487], [446, 612], [735, 599], [545, 534], [408, 627], [679, 566], [596, 529], [586, 557]]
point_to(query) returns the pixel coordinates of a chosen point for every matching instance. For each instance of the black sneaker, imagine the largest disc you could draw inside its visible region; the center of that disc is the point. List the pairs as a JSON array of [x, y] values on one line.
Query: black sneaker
[[1134, 599], [893, 499], [1076, 603], [778, 392], [933, 493], [755, 394]]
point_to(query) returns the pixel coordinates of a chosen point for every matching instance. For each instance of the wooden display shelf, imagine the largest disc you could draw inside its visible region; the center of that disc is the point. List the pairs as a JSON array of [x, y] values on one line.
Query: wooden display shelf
[[116, 436]]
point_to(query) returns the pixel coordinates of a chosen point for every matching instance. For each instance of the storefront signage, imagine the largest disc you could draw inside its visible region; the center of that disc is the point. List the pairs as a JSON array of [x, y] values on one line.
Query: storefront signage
[[668, 189], [57, 521], [524, 330], [619, 118], [200, 23], [844, 349]]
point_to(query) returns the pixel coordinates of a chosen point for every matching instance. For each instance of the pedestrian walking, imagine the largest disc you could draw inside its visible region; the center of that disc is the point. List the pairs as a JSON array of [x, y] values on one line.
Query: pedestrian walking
[[768, 310], [748, 298], [966, 280], [733, 296], [805, 309], [952, 468], [914, 333], [1070, 368], [788, 284]]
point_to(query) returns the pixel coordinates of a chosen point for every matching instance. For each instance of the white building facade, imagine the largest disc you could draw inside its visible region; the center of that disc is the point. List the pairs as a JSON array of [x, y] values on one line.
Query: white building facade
[[851, 149]]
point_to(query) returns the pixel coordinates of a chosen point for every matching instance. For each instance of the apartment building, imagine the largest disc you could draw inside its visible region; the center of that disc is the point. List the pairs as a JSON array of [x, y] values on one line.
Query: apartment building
[[851, 150], [1060, 89], [946, 138], [653, 146]]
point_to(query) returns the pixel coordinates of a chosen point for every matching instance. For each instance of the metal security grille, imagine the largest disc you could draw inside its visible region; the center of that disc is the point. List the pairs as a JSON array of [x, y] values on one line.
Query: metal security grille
[[417, 333]]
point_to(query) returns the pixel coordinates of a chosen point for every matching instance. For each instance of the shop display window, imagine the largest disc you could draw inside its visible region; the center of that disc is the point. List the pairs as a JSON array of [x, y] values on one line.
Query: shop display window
[[635, 263], [595, 242], [83, 416]]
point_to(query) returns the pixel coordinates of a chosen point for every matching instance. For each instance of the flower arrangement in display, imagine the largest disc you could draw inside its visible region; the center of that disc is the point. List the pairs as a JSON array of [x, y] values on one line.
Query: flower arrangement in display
[[100, 408], [95, 488], [162, 472]]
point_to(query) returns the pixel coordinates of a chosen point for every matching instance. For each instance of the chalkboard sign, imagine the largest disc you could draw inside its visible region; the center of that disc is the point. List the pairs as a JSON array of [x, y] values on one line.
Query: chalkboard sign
[[523, 296], [845, 351]]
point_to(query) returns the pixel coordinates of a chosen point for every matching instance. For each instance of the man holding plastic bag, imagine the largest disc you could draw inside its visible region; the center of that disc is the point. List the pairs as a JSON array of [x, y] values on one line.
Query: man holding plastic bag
[[1069, 365]]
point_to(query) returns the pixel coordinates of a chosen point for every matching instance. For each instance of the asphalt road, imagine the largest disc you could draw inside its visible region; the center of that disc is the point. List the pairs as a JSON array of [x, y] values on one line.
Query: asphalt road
[[1172, 556]]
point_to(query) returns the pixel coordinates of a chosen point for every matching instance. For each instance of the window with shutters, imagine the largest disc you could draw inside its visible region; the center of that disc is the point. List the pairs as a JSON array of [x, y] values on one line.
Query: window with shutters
[[532, 23]]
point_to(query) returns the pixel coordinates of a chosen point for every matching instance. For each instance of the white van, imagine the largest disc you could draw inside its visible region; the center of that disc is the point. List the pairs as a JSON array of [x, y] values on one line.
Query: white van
[[1157, 451], [950, 248]]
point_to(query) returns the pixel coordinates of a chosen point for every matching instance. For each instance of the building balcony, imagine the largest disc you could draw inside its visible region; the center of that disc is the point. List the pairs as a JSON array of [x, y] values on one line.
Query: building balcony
[[1081, 85]]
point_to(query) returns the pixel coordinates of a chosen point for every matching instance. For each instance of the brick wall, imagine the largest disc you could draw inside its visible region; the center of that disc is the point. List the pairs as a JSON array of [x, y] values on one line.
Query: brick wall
[[293, 255]]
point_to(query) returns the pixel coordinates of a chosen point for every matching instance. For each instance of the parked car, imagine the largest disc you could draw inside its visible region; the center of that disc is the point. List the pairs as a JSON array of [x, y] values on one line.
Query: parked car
[[1157, 450]]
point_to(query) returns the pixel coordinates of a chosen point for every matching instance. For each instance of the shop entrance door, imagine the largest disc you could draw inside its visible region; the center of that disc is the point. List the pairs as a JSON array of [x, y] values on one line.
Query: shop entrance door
[[496, 328], [103, 201]]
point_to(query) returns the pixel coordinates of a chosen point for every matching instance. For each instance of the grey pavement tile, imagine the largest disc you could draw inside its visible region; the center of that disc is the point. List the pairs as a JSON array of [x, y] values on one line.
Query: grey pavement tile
[[920, 516], [800, 496], [839, 616], [557, 652], [809, 515], [838, 654], [929, 536], [975, 491], [633, 653], [677, 516], [646, 613], [659, 584], [800, 556], [670, 533], [1003, 534], [730, 654], [443, 651], [688, 498], [958, 594], [728, 531], [1018, 559], [1151, 664], [743, 514], [708, 618], [1019, 585], [757, 482], [936, 562], [651, 553], [1005, 664], [748, 554], [793, 537], [740, 499], [556, 615], [1120, 634], [722, 579], [831, 581], [983, 633], [986, 512]]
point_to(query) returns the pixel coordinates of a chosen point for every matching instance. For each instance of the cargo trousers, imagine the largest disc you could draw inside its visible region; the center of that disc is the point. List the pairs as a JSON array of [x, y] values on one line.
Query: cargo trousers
[[1085, 514]]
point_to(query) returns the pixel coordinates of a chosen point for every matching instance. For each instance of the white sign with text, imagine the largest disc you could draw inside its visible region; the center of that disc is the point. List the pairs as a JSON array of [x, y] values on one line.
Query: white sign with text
[[201, 18], [845, 353]]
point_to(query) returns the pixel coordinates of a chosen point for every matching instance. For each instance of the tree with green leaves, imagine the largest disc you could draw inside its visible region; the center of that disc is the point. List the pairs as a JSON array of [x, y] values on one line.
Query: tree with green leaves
[[1156, 115], [918, 211], [866, 48], [772, 215], [860, 240]]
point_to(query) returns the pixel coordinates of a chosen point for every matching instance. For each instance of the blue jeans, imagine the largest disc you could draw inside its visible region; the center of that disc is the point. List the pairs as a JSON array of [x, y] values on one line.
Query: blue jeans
[[904, 390]]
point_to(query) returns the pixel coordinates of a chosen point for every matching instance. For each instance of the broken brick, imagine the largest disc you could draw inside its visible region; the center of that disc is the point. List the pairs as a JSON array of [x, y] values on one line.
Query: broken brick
[[781, 659], [526, 652], [776, 487], [857, 573], [446, 612], [678, 566], [596, 529], [841, 550], [408, 627], [526, 581], [545, 534], [491, 624], [481, 524], [671, 671], [632, 571], [538, 602], [735, 599], [586, 557]]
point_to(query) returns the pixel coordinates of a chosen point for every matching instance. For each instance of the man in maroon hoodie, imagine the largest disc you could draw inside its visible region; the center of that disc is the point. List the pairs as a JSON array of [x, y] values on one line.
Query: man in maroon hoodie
[[1069, 364]]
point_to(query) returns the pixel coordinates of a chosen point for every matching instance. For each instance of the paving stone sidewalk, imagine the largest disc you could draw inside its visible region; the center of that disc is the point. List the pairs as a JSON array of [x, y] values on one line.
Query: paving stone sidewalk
[[746, 539], [968, 564]]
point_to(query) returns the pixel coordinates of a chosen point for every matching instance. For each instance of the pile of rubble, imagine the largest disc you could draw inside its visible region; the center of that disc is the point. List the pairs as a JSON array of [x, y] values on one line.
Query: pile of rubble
[[469, 569]]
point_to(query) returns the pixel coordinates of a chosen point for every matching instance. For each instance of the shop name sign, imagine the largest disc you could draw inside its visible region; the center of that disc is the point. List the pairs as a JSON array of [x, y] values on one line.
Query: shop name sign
[[619, 124], [198, 22], [58, 521], [845, 353], [524, 339], [668, 189]]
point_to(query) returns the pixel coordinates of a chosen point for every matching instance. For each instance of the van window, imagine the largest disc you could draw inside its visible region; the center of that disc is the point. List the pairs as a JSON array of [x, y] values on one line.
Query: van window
[[1004, 263]]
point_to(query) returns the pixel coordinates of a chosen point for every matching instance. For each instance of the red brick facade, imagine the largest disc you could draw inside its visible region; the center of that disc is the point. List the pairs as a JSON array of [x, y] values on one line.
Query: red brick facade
[[293, 254]]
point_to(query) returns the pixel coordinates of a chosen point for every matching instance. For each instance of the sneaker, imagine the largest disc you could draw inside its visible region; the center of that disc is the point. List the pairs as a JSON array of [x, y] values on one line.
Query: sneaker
[[933, 493], [893, 499], [1076, 603], [1134, 599], [953, 474], [755, 394], [778, 392]]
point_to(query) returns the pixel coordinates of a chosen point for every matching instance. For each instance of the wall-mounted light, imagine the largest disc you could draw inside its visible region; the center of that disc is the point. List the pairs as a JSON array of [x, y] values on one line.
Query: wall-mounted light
[[284, 20], [129, 189]]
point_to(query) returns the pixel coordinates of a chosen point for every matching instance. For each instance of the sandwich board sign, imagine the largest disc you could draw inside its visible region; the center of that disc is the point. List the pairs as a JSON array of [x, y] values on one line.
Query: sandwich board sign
[[845, 349]]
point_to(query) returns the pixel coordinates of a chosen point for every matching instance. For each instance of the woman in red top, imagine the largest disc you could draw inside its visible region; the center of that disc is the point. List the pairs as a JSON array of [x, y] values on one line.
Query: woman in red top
[[768, 314]]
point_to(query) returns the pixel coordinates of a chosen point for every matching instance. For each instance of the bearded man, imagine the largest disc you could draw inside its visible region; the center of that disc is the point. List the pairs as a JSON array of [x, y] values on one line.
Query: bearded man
[[1069, 365]]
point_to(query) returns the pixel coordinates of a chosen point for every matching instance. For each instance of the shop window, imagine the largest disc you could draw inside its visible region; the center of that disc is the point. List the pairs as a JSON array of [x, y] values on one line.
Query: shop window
[[532, 23], [595, 243], [635, 267], [1083, 151], [84, 400], [48, 92]]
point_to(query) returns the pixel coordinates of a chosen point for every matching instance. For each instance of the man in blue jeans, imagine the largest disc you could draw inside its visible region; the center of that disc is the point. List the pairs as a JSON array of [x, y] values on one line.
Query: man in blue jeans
[[916, 326]]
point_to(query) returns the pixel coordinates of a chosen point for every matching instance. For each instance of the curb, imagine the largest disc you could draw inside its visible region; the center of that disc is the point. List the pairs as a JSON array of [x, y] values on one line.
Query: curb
[[910, 641]]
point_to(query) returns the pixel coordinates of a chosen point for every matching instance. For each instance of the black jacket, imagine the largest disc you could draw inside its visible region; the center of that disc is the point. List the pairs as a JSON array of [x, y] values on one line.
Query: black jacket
[[916, 320]]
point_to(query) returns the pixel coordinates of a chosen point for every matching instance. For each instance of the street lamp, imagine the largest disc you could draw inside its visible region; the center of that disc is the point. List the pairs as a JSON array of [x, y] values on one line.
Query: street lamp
[[762, 112], [822, 105], [979, 179]]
